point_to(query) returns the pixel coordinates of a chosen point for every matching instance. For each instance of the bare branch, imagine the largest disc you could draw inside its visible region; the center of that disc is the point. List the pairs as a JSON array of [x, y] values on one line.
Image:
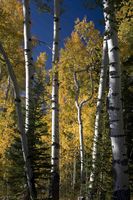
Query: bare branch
[[10, 70], [77, 89], [92, 91], [8, 88], [83, 70], [42, 42]]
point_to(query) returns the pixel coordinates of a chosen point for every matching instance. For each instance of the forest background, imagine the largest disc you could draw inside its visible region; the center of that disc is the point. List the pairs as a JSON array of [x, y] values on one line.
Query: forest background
[[82, 48]]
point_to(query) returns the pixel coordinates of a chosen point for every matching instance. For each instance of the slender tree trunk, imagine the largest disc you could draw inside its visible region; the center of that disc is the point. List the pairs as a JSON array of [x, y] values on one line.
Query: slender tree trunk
[[55, 105], [28, 80], [74, 172], [24, 142], [80, 123], [81, 140], [28, 63], [100, 99], [119, 151], [79, 107]]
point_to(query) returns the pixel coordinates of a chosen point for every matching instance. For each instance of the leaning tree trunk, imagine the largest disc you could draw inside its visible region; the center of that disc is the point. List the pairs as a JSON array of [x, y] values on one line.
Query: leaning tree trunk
[[55, 106], [24, 142], [120, 160], [28, 79], [100, 99]]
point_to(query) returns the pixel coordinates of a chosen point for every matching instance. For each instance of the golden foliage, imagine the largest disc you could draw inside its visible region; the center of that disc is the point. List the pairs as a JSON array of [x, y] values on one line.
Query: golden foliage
[[125, 32], [80, 52], [11, 36]]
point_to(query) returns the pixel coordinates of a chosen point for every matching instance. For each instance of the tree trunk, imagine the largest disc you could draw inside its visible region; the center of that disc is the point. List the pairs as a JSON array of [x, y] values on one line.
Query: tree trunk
[[28, 64], [119, 151], [55, 106], [81, 140], [79, 107], [74, 172], [100, 99], [24, 142], [28, 80]]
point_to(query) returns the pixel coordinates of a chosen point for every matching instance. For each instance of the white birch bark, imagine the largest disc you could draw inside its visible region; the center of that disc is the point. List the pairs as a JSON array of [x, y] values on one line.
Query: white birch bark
[[55, 105], [24, 142], [119, 152], [101, 90]]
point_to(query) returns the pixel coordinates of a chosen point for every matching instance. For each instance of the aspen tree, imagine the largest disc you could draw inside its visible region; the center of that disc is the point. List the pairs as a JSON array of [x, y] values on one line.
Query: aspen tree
[[29, 75], [24, 141], [55, 105], [101, 90], [118, 143], [79, 106], [28, 63]]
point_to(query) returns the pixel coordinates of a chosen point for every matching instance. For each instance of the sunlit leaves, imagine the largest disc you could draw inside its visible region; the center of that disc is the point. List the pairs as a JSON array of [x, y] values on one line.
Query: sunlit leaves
[[11, 35], [125, 33], [82, 51]]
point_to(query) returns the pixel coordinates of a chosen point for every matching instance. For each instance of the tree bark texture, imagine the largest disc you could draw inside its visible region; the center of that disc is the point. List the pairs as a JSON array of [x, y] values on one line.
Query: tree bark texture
[[118, 142], [28, 64], [55, 105], [29, 76]]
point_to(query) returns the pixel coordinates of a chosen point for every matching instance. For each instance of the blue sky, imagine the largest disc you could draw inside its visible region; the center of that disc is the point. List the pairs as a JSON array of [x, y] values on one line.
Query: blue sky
[[42, 23]]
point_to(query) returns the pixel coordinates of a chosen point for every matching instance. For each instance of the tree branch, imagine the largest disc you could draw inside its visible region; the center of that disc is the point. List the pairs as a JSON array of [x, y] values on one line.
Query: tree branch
[[42, 42], [7, 89], [78, 87], [92, 91], [11, 72]]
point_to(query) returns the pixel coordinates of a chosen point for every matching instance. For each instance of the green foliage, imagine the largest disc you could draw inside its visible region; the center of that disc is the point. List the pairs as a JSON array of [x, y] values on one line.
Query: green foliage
[[39, 150], [12, 172]]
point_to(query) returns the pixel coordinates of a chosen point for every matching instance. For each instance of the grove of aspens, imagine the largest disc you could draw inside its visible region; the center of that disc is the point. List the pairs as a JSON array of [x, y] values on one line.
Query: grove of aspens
[[66, 105]]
